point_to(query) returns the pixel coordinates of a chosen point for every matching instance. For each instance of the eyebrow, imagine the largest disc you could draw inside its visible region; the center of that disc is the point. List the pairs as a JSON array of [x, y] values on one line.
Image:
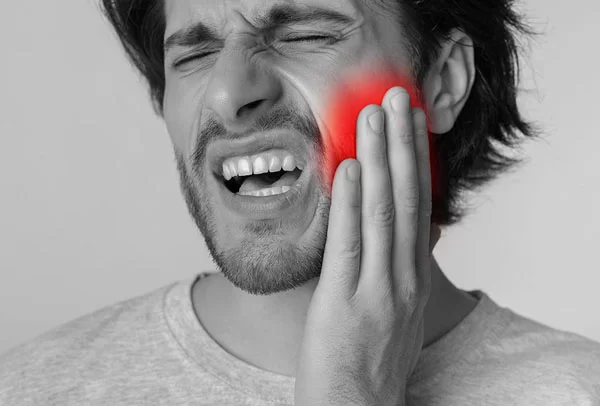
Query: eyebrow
[[278, 15]]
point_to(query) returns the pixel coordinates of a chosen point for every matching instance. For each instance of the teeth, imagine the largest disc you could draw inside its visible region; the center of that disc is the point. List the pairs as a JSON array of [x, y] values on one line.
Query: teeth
[[269, 162], [289, 163], [275, 164], [260, 165], [226, 172], [267, 191], [232, 169], [244, 167]]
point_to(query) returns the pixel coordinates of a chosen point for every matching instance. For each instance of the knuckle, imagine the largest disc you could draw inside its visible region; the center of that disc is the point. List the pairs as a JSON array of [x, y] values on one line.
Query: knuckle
[[406, 136], [378, 154], [420, 119], [383, 214], [410, 297], [426, 205], [411, 200], [421, 135], [351, 248]]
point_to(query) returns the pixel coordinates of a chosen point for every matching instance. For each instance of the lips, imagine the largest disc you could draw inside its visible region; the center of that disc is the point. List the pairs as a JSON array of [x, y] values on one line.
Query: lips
[[220, 150]]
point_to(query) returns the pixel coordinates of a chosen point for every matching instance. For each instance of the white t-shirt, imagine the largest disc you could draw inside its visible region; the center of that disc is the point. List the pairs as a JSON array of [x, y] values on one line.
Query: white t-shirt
[[152, 350]]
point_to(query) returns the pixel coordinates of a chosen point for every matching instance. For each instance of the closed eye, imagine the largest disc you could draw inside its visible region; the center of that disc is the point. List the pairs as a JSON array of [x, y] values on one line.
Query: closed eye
[[308, 38], [191, 58]]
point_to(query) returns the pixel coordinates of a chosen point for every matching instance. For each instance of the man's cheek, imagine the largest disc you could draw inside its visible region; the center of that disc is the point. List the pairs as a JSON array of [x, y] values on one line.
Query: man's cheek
[[345, 102]]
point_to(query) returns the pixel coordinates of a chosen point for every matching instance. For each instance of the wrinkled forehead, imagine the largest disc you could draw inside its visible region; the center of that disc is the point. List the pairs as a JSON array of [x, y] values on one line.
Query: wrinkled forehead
[[220, 13]]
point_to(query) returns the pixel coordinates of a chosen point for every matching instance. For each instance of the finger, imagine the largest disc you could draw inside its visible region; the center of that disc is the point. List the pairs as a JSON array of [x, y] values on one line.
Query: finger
[[377, 211], [341, 258], [405, 190], [434, 236], [423, 251]]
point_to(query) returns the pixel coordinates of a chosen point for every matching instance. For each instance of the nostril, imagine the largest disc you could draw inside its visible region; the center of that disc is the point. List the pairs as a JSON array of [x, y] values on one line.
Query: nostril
[[249, 107]]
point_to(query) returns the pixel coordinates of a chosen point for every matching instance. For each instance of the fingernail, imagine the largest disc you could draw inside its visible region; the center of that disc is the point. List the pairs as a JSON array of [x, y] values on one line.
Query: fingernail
[[397, 102], [353, 171], [376, 121]]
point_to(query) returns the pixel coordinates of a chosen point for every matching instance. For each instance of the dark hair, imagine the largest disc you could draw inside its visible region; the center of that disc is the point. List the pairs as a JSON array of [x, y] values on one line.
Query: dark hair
[[469, 154]]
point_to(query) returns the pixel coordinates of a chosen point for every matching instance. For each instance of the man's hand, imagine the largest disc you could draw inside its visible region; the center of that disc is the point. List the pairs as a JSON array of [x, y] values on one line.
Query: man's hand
[[364, 327]]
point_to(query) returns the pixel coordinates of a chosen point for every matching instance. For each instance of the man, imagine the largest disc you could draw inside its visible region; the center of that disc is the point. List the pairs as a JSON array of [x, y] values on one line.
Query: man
[[327, 292]]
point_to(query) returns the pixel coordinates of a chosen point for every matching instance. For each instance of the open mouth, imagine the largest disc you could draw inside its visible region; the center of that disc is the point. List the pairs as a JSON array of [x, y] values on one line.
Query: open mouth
[[254, 184]]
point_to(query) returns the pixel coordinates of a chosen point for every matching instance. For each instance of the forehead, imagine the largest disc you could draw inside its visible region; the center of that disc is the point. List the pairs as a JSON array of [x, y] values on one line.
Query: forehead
[[218, 13]]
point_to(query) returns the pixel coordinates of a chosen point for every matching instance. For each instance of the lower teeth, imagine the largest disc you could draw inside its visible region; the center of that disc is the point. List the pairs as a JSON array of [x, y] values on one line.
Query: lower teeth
[[266, 192]]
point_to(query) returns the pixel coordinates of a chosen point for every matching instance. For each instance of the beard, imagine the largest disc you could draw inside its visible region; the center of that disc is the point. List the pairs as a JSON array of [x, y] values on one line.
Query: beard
[[258, 257]]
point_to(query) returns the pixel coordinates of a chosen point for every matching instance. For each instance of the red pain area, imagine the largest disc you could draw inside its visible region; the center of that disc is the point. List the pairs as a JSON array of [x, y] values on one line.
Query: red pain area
[[346, 101]]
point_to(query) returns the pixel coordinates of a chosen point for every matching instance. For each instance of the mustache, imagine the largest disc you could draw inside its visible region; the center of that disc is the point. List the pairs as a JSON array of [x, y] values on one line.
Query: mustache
[[282, 117]]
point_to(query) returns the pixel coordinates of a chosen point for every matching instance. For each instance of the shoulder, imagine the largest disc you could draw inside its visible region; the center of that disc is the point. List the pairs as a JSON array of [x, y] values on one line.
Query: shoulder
[[559, 362], [528, 337], [59, 360]]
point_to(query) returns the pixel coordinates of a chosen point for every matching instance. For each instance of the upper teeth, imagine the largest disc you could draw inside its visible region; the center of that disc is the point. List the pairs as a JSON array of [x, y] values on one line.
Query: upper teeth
[[270, 161]]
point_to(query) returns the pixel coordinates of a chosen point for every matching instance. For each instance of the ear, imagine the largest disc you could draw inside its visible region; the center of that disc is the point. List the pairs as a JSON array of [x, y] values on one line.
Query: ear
[[448, 83]]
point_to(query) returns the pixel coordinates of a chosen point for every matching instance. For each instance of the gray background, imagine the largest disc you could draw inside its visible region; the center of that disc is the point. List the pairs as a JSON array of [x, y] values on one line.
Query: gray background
[[91, 212]]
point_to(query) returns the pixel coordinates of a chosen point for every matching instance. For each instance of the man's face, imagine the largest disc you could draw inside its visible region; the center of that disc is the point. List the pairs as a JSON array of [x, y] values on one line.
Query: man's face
[[252, 81]]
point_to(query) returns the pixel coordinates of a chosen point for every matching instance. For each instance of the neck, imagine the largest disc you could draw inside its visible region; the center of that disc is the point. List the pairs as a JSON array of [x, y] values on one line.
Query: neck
[[273, 325]]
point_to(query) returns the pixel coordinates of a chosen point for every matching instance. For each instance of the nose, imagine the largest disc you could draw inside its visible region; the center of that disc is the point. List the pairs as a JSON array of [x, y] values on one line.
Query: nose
[[241, 89]]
